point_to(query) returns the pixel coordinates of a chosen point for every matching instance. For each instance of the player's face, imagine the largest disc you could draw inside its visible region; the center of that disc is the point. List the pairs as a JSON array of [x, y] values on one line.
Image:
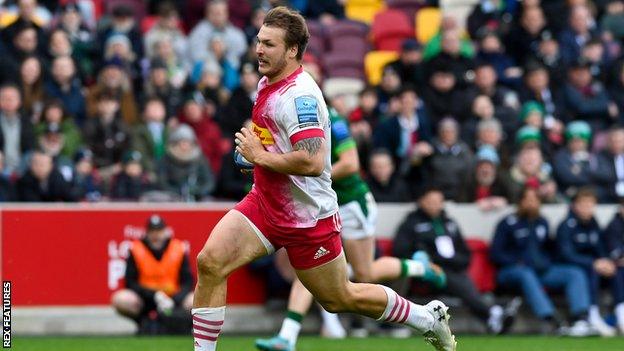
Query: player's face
[[271, 50]]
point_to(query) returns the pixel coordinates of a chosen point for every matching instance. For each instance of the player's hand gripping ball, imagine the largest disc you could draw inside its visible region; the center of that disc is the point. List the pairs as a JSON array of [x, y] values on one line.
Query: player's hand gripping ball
[[242, 162]]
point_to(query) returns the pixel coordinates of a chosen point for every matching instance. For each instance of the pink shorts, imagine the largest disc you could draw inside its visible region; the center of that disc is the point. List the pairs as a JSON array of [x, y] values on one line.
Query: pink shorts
[[307, 247]]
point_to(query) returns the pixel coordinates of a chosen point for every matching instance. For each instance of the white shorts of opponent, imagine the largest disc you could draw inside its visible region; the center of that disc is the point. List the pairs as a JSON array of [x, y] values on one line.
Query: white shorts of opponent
[[356, 225]]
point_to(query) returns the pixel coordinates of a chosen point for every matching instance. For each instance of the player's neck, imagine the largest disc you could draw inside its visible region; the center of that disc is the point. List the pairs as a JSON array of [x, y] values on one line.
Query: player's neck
[[287, 71]]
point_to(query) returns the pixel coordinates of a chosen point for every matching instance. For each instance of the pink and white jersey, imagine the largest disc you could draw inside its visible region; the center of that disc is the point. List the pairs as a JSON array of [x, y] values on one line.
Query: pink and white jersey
[[284, 113]]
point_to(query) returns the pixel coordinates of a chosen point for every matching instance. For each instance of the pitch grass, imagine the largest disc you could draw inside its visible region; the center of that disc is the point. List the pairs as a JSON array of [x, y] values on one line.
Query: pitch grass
[[310, 343]]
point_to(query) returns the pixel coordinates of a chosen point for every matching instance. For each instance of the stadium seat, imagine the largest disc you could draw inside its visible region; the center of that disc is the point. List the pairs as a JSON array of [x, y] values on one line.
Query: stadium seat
[[347, 28], [363, 10], [481, 270], [375, 61], [343, 63], [409, 7], [389, 29], [138, 7], [427, 23], [352, 45]]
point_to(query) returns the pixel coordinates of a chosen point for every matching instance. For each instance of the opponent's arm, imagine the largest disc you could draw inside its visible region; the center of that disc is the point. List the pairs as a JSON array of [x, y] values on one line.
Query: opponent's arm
[[348, 163], [306, 159]]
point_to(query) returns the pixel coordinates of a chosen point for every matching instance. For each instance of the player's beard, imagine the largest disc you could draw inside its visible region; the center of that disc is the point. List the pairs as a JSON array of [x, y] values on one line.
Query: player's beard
[[275, 68]]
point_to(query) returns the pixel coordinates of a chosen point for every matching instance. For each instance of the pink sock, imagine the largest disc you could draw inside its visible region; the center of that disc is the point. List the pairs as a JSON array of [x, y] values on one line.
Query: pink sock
[[399, 310], [207, 323]]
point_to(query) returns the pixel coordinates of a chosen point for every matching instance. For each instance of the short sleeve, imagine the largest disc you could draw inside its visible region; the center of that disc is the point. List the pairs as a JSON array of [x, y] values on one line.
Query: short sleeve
[[341, 137], [301, 118]]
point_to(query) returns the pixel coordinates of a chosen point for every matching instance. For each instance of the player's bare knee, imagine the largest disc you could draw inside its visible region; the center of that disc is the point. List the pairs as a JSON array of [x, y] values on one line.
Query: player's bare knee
[[209, 265]]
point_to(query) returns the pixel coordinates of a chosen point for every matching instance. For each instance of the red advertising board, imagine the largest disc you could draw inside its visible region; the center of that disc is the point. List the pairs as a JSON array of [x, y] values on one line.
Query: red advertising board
[[74, 255]]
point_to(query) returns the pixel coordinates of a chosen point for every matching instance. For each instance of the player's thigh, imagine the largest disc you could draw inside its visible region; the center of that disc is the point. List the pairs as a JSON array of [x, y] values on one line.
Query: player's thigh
[[360, 255], [232, 243], [328, 283]]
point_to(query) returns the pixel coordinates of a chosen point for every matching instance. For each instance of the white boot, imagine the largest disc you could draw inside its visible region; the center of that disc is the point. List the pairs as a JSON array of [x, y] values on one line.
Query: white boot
[[599, 324], [619, 314], [332, 328]]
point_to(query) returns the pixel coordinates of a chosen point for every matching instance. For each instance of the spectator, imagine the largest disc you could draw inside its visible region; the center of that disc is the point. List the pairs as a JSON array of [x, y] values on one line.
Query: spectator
[[215, 23], [524, 38], [122, 22], [384, 183], [597, 58], [548, 54], [150, 137], [158, 277], [54, 114], [325, 11], [578, 33], [86, 181], [255, 23], [489, 132], [429, 231], [572, 164], [233, 184], [521, 250], [452, 57], [530, 169], [409, 66], [82, 39], [17, 137], [614, 238], [612, 20], [434, 45], [504, 99], [175, 66], [389, 87], [407, 137], [441, 89], [230, 78], [7, 188], [486, 186], [26, 17], [197, 114], [533, 115], [159, 86], [587, 99], [23, 45], [206, 78], [451, 159], [491, 51], [133, 181], [167, 26], [490, 15], [580, 243], [184, 171], [482, 110], [58, 45], [119, 47], [43, 182], [609, 175], [67, 88], [31, 84], [238, 108], [616, 88], [538, 87], [113, 80], [362, 121], [52, 143], [107, 136]]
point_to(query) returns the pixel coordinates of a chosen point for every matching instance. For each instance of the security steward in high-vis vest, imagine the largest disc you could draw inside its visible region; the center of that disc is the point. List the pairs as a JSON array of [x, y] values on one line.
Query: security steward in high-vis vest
[[158, 276]]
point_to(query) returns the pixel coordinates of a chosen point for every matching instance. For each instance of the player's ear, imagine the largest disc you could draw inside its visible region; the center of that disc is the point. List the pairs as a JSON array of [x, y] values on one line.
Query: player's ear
[[292, 52]]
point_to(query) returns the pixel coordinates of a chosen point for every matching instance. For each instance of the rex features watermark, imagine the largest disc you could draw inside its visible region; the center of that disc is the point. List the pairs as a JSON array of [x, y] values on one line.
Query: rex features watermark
[[6, 314]]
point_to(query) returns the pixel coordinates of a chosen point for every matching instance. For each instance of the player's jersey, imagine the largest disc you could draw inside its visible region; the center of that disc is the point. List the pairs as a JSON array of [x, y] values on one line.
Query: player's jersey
[[284, 113], [353, 187]]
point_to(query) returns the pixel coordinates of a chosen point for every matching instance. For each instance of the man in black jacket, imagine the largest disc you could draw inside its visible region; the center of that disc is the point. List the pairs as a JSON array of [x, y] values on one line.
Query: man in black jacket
[[614, 235], [16, 132], [43, 182], [429, 232]]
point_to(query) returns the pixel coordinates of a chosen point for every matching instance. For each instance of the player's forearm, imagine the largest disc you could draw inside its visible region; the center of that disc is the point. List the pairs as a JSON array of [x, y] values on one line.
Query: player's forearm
[[348, 164], [297, 162]]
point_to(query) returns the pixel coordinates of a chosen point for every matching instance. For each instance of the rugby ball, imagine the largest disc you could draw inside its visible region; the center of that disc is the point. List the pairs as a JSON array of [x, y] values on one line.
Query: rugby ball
[[242, 162]]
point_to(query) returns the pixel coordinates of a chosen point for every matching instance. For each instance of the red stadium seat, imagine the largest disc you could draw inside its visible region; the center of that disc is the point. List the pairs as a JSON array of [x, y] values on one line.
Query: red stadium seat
[[344, 64], [138, 7], [409, 7], [389, 29]]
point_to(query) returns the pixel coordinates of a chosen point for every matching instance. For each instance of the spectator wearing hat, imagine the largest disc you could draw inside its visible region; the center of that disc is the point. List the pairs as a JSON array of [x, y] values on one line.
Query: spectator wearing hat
[[112, 80], [532, 114], [384, 183], [7, 188], [587, 99], [52, 142], [42, 182], [581, 243], [573, 164], [490, 132], [122, 22], [132, 181], [609, 175], [54, 115], [184, 171], [614, 238], [409, 66], [407, 137], [66, 87], [450, 161], [16, 131], [216, 23], [149, 138], [238, 108], [159, 86], [539, 87], [118, 46], [579, 32], [206, 78], [86, 182], [548, 54], [442, 88], [389, 87], [158, 276], [199, 115], [529, 168], [486, 185], [107, 136]]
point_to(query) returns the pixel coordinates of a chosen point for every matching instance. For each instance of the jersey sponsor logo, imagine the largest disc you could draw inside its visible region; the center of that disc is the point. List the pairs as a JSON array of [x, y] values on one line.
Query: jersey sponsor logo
[[264, 134], [307, 112], [320, 253]]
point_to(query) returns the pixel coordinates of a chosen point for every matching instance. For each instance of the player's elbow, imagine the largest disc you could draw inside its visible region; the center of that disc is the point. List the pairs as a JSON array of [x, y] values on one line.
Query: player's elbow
[[315, 169]]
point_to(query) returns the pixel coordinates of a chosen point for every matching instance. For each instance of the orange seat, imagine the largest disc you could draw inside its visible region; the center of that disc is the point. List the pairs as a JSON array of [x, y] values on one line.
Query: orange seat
[[428, 22]]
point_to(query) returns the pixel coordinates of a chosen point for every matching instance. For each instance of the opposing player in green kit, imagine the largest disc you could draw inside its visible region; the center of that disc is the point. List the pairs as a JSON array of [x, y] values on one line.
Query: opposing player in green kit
[[358, 213]]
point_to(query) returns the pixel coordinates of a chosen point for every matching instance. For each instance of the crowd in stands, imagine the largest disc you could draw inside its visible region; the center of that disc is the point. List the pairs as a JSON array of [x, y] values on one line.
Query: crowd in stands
[[135, 100]]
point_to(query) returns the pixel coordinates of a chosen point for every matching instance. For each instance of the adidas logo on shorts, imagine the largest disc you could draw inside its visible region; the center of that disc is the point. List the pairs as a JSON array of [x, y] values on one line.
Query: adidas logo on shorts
[[320, 253]]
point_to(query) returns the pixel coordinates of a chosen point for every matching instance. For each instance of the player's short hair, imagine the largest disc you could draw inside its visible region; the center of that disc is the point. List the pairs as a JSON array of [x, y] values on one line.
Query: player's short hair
[[293, 23]]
